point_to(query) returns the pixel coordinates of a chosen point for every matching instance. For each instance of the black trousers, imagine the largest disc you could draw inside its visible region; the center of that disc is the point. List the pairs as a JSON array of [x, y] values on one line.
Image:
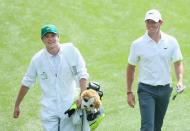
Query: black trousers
[[153, 103]]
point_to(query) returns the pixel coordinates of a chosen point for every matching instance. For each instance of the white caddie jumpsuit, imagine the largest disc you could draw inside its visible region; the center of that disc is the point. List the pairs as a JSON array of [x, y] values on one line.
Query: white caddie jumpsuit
[[58, 83]]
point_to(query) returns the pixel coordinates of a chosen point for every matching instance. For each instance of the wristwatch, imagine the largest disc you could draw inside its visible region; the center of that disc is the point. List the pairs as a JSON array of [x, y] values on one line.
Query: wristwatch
[[129, 92]]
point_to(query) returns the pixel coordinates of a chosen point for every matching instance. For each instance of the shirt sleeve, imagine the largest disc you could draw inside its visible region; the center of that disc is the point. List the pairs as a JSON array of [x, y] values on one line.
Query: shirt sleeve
[[81, 66], [133, 58], [176, 55], [30, 76]]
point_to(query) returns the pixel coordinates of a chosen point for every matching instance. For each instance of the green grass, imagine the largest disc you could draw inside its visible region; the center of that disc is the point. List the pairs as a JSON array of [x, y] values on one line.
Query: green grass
[[103, 31]]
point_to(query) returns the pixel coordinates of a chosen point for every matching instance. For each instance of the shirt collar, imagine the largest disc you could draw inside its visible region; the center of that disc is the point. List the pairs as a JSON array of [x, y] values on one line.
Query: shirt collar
[[147, 37], [50, 55]]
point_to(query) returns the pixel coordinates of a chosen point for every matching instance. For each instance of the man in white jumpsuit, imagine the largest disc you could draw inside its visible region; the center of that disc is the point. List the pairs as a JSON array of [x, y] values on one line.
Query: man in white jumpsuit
[[59, 68]]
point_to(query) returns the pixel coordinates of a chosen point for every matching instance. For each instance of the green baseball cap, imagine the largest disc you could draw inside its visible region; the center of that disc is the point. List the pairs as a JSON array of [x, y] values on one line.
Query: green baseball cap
[[49, 28]]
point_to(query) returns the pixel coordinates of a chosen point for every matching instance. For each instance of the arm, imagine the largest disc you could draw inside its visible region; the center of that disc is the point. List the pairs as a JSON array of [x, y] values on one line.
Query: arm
[[82, 73], [78, 102], [27, 81], [83, 84], [179, 73], [129, 78], [21, 94], [83, 87]]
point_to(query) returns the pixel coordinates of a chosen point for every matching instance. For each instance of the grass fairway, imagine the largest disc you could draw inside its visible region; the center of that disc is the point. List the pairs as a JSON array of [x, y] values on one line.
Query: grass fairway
[[103, 31]]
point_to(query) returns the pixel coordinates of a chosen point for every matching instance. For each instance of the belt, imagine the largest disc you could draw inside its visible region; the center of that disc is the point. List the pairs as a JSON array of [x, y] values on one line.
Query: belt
[[154, 85]]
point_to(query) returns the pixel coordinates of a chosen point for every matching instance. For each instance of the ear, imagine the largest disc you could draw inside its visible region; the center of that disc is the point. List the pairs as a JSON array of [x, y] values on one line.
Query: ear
[[84, 93], [161, 22], [42, 39], [97, 102]]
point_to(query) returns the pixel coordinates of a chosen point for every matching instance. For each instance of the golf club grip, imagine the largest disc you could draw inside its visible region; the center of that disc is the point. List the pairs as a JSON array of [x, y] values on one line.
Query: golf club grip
[[174, 97]]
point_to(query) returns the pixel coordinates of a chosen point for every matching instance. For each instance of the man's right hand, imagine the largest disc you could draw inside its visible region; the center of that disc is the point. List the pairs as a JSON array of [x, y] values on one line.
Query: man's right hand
[[23, 90], [16, 112], [131, 99]]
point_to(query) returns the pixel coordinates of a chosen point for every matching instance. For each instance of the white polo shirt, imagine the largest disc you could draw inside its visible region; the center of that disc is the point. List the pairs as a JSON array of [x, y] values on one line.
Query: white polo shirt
[[57, 81], [154, 59]]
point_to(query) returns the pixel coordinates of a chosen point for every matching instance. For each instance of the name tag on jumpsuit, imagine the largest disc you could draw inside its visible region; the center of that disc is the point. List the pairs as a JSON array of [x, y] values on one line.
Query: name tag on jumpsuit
[[44, 76]]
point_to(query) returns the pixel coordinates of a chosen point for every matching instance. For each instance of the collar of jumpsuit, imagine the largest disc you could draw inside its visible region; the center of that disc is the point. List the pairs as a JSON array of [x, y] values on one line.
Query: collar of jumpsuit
[[54, 61]]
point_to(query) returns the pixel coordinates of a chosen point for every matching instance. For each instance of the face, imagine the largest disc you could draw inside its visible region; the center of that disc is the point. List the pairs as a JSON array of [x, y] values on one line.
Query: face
[[50, 40], [88, 104], [90, 100], [152, 26]]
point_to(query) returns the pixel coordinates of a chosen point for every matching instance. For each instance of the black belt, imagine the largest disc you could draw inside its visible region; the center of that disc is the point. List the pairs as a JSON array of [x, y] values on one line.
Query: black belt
[[154, 85]]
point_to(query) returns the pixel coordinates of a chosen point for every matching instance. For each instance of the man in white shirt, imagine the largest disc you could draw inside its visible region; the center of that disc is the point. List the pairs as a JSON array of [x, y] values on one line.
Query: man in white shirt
[[153, 52], [59, 68]]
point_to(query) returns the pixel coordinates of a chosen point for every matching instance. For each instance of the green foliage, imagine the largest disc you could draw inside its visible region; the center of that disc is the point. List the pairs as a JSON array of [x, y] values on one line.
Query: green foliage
[[103, 31]]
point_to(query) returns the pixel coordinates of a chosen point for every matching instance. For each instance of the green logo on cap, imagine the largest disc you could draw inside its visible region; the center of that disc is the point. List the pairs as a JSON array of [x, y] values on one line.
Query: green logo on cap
[[48, 29]]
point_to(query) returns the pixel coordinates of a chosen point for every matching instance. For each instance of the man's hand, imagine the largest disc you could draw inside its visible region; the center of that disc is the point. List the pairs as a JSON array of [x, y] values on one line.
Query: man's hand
[[179, 74], [179, 84], [16, 112], [129, 78], [72, 109], [21, 94], [79, 102], [131, 99], [180, 87]]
